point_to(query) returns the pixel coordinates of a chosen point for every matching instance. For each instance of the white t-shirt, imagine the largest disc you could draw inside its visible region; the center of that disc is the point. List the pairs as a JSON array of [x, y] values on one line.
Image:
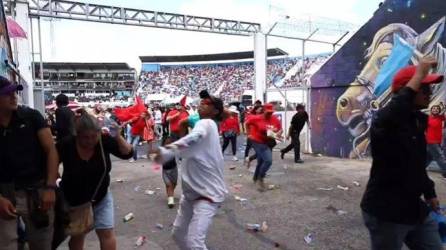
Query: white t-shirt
[[202, 162], [157, 116]]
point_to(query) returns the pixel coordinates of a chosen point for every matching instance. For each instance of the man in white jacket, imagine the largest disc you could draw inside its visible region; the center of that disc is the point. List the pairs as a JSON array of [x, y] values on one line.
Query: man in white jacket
[[203, 183]]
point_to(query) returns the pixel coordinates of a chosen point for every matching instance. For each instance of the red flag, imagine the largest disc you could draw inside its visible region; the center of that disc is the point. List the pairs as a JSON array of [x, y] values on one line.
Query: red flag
[[183, 101], [125, 114]]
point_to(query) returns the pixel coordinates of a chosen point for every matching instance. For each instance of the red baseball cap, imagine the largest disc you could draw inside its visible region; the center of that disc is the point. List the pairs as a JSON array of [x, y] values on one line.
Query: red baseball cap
[[268, 108], [404, 75]]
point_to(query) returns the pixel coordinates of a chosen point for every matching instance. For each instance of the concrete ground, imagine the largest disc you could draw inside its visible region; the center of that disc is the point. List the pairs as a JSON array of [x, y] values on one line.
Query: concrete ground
[[308, 201]]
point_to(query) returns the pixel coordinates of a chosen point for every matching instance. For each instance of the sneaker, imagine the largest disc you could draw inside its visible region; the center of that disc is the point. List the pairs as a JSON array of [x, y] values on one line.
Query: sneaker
[[132, 160], [299, 161], [261, 187], [170, 202], [282, 154], [143, 157], [235, 158]]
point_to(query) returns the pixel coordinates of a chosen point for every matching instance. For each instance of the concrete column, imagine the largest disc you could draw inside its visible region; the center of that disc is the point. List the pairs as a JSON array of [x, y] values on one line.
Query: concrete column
[[23, 52], [260, 67]]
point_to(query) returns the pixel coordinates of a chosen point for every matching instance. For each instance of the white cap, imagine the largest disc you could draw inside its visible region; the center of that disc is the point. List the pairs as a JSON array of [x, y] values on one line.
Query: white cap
[[233, 109]]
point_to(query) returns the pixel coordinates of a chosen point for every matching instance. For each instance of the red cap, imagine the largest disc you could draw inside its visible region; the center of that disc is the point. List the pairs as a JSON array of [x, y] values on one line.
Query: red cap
[[404, 75], [268, 108]]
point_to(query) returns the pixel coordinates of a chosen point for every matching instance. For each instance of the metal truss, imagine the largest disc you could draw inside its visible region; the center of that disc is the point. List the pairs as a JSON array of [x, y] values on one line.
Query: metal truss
[[127, 16]]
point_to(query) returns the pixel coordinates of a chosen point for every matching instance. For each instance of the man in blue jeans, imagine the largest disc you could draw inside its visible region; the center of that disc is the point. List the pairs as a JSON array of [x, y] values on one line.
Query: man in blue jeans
[[392, 208], [434, 137], [262, 130]]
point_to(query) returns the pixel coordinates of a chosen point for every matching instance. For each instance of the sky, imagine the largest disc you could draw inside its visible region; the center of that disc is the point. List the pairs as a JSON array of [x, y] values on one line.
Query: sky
[[79, 41]]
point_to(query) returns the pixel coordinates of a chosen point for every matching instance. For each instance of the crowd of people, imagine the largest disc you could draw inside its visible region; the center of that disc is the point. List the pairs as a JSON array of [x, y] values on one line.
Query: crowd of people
[[227, 80], [81, 142], [403, 140]]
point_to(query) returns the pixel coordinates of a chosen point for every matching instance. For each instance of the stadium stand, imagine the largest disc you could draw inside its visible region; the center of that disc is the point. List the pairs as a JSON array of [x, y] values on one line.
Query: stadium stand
[[227, 79]]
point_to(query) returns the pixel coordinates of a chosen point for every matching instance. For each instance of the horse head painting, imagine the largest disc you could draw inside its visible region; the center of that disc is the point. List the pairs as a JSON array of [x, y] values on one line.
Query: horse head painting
[[356, 106]]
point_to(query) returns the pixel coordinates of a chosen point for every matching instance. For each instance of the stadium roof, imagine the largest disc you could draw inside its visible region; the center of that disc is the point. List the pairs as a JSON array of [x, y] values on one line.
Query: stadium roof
[[85, 67], [209, 57]]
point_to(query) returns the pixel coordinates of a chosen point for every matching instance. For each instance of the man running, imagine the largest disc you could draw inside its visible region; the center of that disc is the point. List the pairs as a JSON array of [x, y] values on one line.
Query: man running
[[203, 184], [297, 123]]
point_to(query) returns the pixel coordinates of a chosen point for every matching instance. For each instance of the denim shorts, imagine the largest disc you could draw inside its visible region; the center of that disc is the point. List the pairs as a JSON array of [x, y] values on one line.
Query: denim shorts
[[104, 213]]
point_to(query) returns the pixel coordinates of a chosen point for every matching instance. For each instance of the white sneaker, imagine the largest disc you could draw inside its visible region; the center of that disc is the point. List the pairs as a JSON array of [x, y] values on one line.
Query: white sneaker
[[132, 160], [235, 158], [170, 202]]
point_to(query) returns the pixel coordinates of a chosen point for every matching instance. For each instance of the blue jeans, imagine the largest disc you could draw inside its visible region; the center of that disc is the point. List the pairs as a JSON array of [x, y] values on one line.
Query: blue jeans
[[134, 140], [104, 213], [435, 153], [264, 159], [391, 236]]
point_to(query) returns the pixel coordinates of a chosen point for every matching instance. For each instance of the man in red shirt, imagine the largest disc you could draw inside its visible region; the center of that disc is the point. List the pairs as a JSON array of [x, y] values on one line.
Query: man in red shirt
[[263, 129], [230, 129], [434, 137], [170, 170]]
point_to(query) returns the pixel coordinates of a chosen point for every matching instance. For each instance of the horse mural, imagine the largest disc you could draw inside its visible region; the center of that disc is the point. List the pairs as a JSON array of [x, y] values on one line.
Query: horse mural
[[357, 104]]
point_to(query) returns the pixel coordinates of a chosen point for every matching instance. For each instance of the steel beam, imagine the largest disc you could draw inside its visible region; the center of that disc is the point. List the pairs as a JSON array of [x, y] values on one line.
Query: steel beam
[[127, 16]]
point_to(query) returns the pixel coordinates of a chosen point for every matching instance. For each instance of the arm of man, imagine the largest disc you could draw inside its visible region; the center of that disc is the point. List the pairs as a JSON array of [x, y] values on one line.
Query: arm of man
[[429, 192], [117, 146], [308, 121], [401, 104], [46, 140], [170, 117], [183, 146], [423, 69]]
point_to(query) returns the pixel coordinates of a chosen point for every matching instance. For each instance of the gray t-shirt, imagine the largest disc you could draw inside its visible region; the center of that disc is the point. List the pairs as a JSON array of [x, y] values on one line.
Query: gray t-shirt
[[202, 162]]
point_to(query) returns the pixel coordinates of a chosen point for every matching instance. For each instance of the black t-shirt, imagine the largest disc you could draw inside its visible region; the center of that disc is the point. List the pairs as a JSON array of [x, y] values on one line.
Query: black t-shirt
[[298, 122], [64, 122], [22, 158], [80, 178]]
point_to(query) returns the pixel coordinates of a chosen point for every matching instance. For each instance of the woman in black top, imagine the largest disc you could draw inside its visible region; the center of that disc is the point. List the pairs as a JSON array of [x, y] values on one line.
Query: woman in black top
[[84, 172]]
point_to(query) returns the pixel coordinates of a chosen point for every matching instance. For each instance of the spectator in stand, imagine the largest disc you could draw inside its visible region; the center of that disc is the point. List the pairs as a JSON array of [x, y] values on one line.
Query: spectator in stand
[[230, 129], [263, 131], [170, 170], [434, 137], [232, 78], [64, 118]]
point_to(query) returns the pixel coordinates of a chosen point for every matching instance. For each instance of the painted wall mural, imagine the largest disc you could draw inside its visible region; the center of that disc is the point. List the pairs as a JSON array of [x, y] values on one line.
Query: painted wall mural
[[5, 47], [342, 96]]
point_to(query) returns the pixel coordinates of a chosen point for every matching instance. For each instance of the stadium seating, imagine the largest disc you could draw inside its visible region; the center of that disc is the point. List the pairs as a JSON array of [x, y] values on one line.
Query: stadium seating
[[227, 80]]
